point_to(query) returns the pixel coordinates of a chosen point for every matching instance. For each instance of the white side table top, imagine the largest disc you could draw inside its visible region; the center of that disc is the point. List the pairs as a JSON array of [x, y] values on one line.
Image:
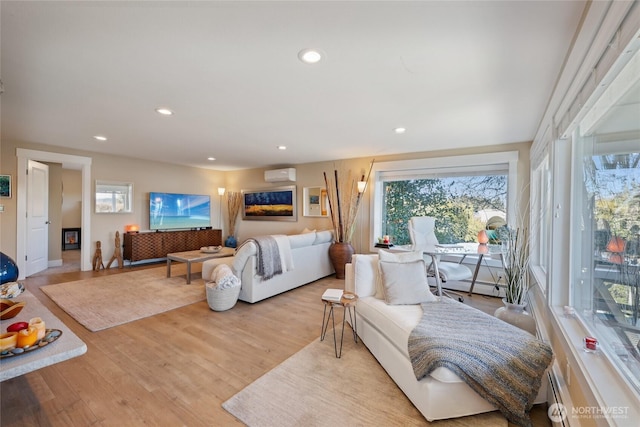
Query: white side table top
[[64, 348]]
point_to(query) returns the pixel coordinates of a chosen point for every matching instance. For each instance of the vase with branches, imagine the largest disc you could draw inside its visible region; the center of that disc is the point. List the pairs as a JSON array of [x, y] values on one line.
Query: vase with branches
[[234, 202], [344, 194]]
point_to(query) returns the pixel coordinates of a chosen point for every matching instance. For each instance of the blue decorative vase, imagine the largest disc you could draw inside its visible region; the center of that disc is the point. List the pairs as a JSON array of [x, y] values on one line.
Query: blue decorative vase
[[8, 269], [231, 242]]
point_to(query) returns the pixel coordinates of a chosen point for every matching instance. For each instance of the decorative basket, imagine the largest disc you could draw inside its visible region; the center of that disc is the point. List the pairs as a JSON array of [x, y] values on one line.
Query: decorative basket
[[222, 299]]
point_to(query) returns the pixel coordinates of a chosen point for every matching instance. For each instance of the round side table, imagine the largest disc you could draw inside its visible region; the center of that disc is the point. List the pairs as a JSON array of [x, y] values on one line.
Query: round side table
[[348, 303]]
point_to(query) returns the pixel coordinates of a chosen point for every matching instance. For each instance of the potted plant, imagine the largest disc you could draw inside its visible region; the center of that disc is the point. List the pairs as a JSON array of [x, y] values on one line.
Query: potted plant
[[234, 202], [516, 260], [344, 193]]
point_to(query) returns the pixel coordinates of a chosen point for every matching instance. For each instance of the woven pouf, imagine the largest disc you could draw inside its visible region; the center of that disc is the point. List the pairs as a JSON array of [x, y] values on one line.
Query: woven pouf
[[222, 299]]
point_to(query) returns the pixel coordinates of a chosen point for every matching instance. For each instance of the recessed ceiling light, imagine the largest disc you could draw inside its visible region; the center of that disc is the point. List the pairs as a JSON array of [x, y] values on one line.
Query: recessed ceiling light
[[100, 138], [282, 147], [400, 130], [164, 111], [310, 56], [211, 158]]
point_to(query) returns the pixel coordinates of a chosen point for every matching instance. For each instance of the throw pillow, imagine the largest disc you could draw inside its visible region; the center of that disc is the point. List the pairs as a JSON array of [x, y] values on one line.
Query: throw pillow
[[398, 257], [307, 230], [405, 283]]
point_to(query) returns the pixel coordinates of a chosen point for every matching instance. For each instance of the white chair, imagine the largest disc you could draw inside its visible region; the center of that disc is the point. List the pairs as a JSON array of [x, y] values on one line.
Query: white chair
[[423, 237]]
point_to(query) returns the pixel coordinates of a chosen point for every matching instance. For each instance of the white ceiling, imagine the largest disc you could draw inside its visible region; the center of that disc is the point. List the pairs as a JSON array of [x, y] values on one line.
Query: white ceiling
[[455, 74]]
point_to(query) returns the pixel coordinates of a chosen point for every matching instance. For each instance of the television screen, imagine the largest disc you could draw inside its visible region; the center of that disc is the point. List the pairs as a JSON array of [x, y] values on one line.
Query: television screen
[[172, 210]]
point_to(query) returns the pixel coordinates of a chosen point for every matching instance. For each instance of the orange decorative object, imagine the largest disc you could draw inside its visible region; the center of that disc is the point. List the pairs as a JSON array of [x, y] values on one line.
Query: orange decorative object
[[38, 323], [616, 244], [8, 341], [616, 258], [132, 228], [483, 248], [483, 238], [27, 337]]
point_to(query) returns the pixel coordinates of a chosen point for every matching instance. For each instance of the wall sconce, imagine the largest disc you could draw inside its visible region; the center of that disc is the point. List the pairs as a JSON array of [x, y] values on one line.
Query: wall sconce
[[132, 228], [362, 185], [221, 191]]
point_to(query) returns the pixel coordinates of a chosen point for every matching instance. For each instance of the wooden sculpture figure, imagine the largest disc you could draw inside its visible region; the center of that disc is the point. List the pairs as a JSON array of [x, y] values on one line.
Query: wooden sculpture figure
[[117, 253], [97, 257]]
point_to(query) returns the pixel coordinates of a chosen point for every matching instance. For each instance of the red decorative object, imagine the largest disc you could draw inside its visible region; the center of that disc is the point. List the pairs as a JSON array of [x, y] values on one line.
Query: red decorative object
[[483, 248], [590, 343]]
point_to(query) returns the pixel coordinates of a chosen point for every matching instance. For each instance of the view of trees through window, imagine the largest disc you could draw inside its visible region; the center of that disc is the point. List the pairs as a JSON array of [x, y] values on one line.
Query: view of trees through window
[[461, 205], [613, 184]]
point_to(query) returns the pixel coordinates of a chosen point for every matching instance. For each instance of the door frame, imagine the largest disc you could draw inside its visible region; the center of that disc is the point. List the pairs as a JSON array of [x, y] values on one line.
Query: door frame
[[68, 161]]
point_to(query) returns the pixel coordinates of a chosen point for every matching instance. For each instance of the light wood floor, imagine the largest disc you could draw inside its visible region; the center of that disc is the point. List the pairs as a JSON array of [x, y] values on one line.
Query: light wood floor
[[130, 376]]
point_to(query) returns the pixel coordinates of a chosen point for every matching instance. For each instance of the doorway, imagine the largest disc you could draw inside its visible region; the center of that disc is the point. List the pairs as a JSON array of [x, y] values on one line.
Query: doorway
[[83, 164]]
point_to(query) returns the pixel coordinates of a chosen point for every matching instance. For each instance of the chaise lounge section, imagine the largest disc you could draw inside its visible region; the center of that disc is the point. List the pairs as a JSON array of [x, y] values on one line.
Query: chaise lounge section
[[385, 330]]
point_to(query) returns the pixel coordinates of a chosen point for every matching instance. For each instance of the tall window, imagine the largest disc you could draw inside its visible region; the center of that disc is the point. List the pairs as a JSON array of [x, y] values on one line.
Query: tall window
[[606, 262]]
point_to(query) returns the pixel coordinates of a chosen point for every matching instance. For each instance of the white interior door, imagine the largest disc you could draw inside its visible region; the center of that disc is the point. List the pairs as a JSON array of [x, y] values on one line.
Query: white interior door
[[37, 217]]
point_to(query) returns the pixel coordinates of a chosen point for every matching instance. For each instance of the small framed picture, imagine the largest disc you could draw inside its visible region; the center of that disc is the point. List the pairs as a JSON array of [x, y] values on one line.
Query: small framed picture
[[5, 185]]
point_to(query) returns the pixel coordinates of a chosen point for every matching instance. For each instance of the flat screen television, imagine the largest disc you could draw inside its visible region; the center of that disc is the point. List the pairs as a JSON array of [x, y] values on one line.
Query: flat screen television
[[169, 211]]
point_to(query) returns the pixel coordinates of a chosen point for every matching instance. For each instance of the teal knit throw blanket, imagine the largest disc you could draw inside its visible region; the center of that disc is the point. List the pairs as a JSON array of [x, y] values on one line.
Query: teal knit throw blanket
[[501, 362]]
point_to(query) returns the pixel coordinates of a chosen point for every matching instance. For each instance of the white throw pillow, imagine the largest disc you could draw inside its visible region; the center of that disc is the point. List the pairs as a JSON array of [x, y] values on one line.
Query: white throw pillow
[[405, 283], [325, 236], [306, 230], [366, 274], [399, 257]]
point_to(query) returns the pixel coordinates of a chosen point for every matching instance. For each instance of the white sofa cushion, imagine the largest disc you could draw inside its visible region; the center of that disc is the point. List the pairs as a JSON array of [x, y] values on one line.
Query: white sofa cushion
[[395, 323], [405, 282], [301, 240], [324, 236]]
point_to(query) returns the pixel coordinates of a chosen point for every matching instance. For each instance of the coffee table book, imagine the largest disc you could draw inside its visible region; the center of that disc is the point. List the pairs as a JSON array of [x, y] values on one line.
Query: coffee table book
[[333, 295]]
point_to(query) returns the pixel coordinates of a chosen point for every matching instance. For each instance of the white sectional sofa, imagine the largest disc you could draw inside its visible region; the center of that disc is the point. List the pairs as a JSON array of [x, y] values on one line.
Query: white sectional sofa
[[310, 254], [385, 330]]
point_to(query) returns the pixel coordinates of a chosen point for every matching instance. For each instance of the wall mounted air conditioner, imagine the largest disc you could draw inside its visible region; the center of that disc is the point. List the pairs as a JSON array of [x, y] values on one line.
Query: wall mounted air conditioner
[[280, 175]]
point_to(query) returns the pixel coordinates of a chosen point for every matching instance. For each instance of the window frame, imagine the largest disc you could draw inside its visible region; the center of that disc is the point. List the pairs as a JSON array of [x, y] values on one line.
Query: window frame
[[407, 169]]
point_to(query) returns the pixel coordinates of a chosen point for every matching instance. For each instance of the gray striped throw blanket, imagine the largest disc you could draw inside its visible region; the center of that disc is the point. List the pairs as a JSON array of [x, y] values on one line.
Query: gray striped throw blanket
[[500, 362], [268, 256]]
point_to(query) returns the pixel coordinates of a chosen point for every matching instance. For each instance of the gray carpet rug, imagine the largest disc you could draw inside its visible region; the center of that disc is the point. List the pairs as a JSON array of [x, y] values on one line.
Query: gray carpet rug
[[313, 388], [103, 302]]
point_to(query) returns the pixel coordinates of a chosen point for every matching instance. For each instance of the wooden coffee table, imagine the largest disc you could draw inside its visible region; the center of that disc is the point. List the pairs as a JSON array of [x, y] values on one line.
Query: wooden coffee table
[[190, 257]]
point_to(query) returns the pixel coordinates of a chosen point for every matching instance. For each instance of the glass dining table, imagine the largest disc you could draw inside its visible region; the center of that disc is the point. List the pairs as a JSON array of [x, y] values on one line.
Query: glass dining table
[[464, 249]]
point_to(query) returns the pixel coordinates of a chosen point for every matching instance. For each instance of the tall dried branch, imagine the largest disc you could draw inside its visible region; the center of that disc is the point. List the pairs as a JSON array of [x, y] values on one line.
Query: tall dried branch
[[234, 203]]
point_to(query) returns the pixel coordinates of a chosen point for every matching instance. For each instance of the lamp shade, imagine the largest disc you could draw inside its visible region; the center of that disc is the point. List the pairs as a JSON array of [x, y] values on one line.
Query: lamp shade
[[616, 244], [361, 186], [221, 191]]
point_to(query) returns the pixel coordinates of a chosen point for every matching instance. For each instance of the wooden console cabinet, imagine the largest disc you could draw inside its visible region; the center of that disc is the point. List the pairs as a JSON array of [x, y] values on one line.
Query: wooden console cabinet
[[140, 246]]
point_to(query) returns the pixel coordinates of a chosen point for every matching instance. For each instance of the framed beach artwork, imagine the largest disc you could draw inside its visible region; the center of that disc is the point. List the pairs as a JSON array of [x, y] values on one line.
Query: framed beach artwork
[[5, 185], [274, 204]]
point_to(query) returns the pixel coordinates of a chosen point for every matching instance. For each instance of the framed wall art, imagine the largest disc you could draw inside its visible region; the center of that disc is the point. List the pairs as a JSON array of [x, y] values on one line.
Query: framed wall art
[[274, 204], [5, 185], [315, 201]]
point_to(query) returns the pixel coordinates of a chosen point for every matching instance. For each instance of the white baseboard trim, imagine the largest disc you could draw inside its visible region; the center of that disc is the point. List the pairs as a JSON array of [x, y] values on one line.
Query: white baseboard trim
[[54, 263]]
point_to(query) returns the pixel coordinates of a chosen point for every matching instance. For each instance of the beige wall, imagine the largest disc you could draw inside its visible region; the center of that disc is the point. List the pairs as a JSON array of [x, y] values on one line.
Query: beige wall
[[148, 176], [71, 198]]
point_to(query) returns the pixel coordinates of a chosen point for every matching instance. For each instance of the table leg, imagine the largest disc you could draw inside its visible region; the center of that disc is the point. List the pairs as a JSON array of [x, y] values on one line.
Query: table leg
[[475, 273], [188, 272], [434, 260], [168, 267]]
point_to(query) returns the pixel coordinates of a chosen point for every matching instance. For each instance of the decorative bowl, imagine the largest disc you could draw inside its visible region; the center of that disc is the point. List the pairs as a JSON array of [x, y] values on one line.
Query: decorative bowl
[[11, 290], [10, 309], [210, 249]]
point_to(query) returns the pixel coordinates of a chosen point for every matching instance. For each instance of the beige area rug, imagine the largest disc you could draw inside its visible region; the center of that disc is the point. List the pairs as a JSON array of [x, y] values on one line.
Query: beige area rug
[[313, 388], [103, 302]]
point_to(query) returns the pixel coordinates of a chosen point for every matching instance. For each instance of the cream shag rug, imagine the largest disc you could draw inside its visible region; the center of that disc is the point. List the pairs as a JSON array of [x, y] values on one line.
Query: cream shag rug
[[103, 302], [313, 388]]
